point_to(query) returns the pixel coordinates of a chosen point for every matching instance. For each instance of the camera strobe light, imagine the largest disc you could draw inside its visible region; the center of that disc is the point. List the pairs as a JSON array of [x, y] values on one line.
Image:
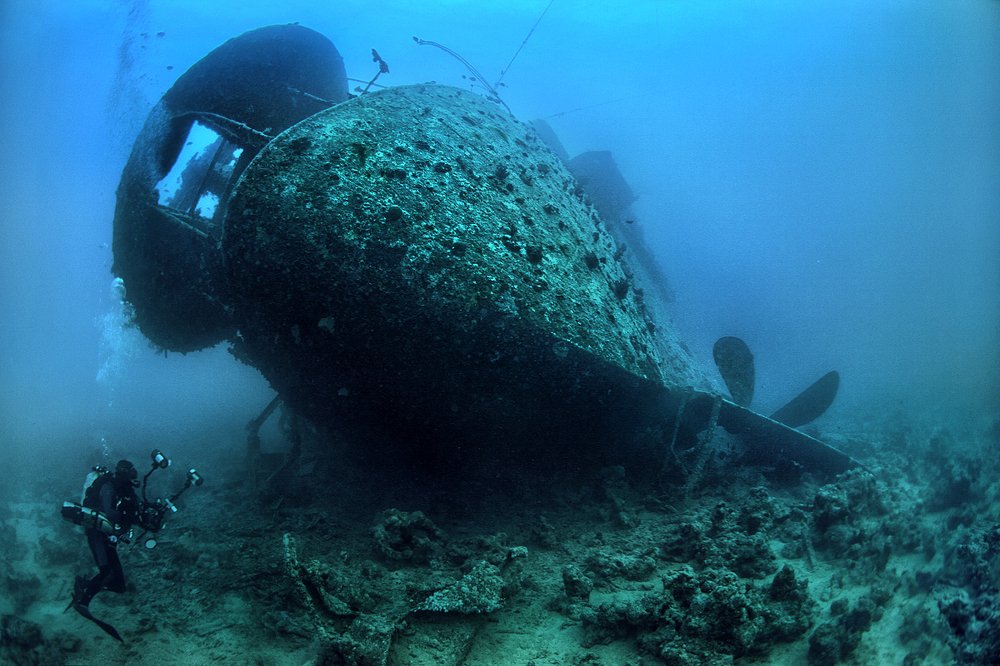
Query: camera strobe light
[[159, 459]]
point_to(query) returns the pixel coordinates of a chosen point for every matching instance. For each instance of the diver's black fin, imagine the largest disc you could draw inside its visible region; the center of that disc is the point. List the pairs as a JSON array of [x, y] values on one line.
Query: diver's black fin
[[735, 363], [811, 403], [78, 587], [111, 631]]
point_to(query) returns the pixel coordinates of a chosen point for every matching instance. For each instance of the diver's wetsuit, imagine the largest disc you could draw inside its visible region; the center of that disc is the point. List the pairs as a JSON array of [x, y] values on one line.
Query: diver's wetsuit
[[117, 500]]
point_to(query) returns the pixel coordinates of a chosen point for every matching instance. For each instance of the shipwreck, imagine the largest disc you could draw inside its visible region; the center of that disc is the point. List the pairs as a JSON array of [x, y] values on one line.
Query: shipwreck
[[414, 266]]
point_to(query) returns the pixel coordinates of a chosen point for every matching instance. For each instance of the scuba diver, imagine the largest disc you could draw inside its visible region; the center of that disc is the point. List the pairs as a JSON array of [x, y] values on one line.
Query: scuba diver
[[112, 495], [108, 511]]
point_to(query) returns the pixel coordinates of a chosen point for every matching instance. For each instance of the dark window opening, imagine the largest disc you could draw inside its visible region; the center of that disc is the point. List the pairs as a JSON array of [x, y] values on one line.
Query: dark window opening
[[202, 175]]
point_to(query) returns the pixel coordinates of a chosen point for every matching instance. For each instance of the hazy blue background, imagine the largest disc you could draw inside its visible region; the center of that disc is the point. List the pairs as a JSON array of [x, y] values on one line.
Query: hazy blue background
[[820, 178]]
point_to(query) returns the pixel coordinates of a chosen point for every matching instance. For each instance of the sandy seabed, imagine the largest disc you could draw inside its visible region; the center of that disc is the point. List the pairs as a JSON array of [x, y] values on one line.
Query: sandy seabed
[[897, 563]]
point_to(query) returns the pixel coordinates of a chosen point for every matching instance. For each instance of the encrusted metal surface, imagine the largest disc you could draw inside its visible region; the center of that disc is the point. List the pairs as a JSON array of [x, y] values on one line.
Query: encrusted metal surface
[[420, 254]]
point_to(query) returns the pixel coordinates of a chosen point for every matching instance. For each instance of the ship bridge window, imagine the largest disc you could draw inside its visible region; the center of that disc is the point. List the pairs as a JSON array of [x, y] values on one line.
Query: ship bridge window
[[200, 178]]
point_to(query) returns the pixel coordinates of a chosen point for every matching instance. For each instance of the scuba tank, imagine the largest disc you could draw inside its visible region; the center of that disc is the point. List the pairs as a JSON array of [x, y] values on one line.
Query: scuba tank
[[95, 473], [88, 518], [78, 514], [148, 514]]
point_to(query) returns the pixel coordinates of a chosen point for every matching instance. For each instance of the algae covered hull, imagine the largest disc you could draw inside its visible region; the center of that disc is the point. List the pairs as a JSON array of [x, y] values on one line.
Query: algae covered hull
[[411, 267], [166, 234], [419, 259]]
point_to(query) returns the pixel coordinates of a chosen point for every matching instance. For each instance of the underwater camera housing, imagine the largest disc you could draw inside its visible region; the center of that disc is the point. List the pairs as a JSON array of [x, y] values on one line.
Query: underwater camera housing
[[152, 513]]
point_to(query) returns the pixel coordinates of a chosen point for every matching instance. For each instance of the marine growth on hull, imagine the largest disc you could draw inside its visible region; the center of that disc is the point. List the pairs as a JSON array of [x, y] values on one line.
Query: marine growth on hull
[[412, 266], [486, 446]]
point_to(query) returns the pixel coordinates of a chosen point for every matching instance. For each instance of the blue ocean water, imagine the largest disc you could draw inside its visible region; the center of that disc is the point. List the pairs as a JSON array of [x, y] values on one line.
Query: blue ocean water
[[820, 179]]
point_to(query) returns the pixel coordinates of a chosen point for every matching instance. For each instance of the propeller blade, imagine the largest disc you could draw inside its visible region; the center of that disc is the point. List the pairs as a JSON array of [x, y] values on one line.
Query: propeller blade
[[771, 442], [811, 403], [735, 363]]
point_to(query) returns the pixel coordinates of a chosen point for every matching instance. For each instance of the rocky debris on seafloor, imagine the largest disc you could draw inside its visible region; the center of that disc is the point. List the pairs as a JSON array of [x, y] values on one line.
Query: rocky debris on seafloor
[[864, 523], [21, 587], [684, 585], [718, 541], [703, 617], [366, 643], [367, 638], [615, 489], [479, 591], [953, 481], [356, 612], [410, 537], [58, 553], [604, 566], [737, 593], [317, 584], [23, 642], [834, 641], [482, 590], [576, 584], [544, 534], [971, 604]]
